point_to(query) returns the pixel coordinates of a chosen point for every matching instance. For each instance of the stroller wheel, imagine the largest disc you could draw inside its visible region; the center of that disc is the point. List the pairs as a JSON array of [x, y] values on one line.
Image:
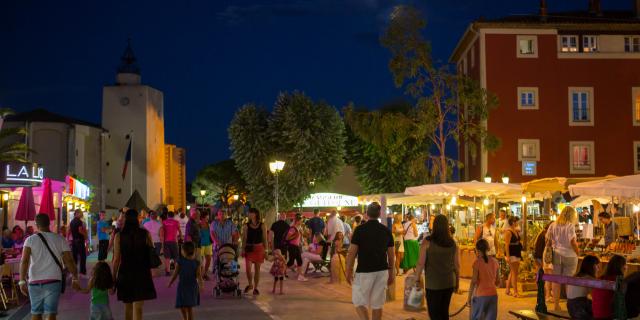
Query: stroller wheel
[[238, 293]]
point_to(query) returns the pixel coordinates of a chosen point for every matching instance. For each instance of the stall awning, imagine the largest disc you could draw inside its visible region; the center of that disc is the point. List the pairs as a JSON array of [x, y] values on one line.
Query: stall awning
[[400, 198], [469, 189], [546, 186], [627, 187]]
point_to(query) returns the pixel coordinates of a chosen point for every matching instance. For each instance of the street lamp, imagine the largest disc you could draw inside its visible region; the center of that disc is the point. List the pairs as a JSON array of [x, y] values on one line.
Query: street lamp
[[202, 194], [275, 167], [505, 179], [487, 178]]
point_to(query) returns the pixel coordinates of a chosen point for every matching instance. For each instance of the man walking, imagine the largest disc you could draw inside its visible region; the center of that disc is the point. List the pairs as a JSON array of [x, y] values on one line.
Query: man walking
[[43, 256], [372, 244], [277, 234], [334, 225], [79, 235], [487, 231], [169, 234], [104, 228], [224, 231], [315, 224], [153, 226], [193, 231]]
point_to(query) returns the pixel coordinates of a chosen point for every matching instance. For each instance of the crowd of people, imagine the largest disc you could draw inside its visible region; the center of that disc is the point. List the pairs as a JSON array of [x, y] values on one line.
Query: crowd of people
[[131, 246]]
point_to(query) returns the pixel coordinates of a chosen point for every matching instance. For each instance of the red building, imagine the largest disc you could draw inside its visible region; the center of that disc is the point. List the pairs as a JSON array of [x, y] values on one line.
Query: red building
[[569, 90]]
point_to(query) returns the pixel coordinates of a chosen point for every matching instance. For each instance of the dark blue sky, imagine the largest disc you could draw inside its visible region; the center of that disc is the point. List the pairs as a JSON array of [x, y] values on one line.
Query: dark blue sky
[[211, 57]]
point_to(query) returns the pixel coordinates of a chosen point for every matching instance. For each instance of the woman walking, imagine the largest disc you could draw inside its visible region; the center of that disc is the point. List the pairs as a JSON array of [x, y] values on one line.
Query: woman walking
[[441, 262], [206, 245], [513, 254], [132, 266], [398, 239], [411, 245], [561, 236], [254, 238]]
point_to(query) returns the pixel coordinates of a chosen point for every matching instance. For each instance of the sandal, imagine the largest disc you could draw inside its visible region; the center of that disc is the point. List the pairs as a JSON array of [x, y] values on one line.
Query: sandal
[[247, 288], [256, 292]]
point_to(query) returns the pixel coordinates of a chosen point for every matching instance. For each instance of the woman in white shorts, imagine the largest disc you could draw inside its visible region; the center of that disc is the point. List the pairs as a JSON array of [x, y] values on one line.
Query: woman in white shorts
[[513, 252], [561, 236]]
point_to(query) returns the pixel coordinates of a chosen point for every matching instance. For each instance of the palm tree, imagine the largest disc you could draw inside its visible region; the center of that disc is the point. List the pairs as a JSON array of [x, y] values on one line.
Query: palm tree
[[10, 148]]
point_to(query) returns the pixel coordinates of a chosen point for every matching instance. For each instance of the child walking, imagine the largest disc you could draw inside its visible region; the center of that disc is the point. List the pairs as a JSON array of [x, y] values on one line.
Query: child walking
[[483, 295], [99, 285], [188, 293], [278, 269]]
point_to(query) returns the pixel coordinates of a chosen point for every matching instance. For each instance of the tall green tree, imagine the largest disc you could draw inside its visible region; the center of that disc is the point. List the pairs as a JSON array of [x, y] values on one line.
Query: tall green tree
[[387, 147], [220, 180], [307, 135], [455, 104]]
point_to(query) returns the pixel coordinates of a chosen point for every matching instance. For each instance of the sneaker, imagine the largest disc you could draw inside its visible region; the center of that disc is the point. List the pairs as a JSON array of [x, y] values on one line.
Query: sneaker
[[302, 278]]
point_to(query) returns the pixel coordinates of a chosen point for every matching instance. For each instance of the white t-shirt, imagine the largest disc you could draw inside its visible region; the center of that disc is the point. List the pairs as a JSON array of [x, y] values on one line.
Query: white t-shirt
[[561, 236], [334, 225], [153, 226], [183, 223], [409, 234], [42, 265]]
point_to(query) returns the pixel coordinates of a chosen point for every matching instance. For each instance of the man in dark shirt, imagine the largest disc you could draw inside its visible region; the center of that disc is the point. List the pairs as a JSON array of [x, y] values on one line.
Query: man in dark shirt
[[193, 230], [79, 235], [372, 244], [315, 224], [277, 233]]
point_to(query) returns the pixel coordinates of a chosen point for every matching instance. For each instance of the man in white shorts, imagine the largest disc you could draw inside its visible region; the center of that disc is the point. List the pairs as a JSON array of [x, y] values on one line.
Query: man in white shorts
[[372, 243]]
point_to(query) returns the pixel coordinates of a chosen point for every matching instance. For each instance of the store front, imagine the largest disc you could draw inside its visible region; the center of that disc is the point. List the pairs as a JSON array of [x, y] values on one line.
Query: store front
[[78, 195], [325, 202]]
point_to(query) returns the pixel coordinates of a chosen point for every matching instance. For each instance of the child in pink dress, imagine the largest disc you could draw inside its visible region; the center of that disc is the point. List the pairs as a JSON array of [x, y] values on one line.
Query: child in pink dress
[[278, 269]]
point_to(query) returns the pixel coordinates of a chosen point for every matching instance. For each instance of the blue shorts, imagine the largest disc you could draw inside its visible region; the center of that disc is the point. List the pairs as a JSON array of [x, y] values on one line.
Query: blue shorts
[[44, 297]]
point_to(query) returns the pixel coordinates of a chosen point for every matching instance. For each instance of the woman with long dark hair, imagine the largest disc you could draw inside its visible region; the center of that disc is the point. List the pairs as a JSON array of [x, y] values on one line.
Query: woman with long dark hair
[[254, 239], [578, 303], [440, 260], [132, 266], [513, 252]]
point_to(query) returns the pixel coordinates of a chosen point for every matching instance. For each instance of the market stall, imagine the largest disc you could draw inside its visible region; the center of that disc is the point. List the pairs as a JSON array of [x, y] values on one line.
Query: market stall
[[625, 192]]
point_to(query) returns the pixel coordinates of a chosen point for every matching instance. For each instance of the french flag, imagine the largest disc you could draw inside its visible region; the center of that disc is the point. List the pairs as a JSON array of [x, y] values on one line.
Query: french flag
[[127, 159]]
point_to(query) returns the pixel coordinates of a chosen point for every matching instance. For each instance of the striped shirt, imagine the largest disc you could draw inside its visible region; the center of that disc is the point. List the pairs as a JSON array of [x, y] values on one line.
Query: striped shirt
[[223, 231]]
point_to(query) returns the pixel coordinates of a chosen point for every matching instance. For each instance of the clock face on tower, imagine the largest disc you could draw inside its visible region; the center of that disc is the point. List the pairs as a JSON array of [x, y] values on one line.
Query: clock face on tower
[[124, 101]]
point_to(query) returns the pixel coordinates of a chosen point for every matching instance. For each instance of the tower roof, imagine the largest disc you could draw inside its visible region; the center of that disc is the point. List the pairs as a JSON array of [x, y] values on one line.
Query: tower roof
[[128, 61]]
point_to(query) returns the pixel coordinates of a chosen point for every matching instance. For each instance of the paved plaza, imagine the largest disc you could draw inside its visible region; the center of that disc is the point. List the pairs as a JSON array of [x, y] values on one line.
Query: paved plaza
[[315, 299]]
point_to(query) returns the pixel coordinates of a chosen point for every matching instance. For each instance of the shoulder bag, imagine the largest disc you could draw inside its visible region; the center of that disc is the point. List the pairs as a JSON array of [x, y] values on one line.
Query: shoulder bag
[[55, 259], [547, 255]]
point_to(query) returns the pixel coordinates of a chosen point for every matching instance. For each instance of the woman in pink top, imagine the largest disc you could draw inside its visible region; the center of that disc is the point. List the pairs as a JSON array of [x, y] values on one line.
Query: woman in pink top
[[483, 295]]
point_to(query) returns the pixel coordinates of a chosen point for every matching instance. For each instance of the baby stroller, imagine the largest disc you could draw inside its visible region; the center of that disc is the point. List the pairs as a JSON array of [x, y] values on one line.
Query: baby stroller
[[227, 272]]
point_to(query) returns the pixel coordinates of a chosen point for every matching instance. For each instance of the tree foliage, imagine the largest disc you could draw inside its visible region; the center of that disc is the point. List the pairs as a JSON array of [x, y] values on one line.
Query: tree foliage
[[11, 146], [455, 104], [221, 180], [387, 147], [307, 135]]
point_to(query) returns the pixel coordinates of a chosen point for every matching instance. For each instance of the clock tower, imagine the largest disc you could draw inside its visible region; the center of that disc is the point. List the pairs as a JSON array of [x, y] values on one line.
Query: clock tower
[[133, 114]]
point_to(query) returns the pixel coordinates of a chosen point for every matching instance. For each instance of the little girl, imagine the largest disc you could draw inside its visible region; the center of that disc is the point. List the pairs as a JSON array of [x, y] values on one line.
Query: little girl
[[100, 283], [483, 295], [278, 269], [188, 293]]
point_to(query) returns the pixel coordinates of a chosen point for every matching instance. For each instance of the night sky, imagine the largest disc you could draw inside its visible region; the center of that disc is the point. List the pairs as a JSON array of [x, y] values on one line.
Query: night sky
[[211, 57]]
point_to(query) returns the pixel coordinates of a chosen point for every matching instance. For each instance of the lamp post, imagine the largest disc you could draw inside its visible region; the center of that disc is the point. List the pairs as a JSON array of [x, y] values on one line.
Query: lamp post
[[202, 194], [275, 167]]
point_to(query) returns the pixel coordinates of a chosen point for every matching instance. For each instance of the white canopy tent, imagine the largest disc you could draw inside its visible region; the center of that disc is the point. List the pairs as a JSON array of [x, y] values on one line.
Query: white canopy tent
[[469, 189], [626, 188]]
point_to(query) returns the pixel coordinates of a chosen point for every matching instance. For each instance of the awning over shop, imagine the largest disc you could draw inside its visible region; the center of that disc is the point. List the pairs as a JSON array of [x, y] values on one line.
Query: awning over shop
[[469, 189], [627, 187], [546, 186]]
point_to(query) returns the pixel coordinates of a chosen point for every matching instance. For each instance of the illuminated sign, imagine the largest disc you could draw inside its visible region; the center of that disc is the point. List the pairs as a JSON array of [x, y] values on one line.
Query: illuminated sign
[[16, 173], [78, 189], [529, 168], [325, 200]]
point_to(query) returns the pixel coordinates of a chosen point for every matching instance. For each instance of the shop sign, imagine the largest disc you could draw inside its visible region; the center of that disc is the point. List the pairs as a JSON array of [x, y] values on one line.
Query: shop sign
[[78, 189], [16, 173], [529, 168], [324, 200]]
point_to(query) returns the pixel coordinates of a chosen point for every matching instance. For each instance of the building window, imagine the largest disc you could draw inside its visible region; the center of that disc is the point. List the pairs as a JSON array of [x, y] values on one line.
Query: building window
[[527, 46], [528, 149], [636, 156], [527, 98], [631, 44], [635, 105], [580, 106], [582, 158], [569, 43], [589, 44]]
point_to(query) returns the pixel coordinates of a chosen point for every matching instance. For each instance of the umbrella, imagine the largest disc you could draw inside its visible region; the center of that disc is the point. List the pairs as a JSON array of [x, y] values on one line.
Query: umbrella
[[136, 202], [26, 208], [46, 203], [469, 189], [627, 187]]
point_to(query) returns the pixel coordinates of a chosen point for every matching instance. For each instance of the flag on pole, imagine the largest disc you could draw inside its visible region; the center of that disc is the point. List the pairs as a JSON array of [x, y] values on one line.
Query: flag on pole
[[127, 159]]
